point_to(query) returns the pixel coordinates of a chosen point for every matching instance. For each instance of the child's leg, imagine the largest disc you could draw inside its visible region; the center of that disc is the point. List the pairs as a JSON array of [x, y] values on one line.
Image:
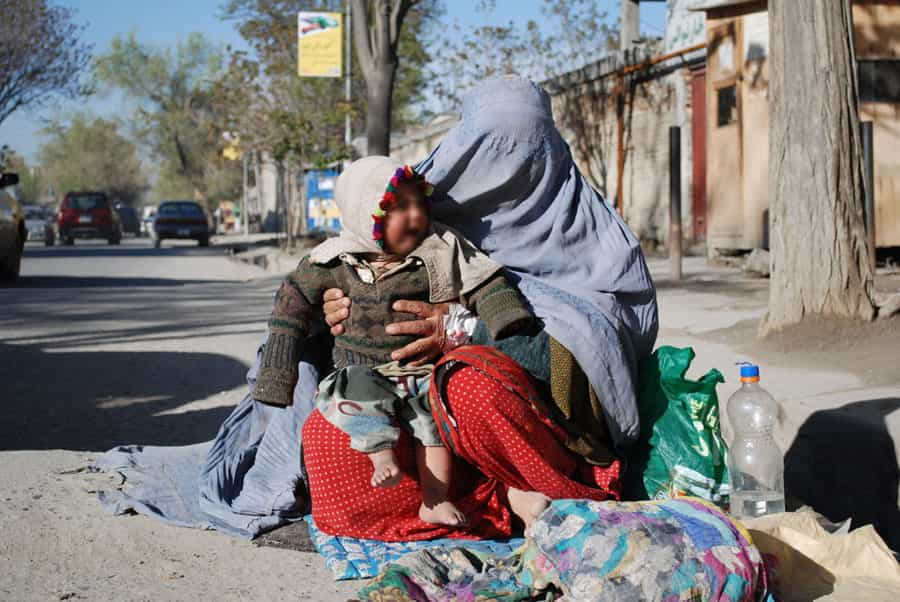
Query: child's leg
[[361, 403], [434, 461], [385, 471], [435, 466]]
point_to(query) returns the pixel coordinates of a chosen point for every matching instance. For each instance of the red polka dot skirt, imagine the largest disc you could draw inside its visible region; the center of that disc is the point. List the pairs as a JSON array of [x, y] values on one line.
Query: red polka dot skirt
[[492, 421]]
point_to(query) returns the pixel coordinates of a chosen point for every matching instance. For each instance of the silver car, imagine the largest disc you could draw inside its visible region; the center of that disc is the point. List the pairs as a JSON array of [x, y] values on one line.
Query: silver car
[[39, 224], [12, 230]]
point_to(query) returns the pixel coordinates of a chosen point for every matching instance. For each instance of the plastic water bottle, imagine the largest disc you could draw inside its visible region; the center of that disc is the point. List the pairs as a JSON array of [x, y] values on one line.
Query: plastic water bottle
[[754, 461]]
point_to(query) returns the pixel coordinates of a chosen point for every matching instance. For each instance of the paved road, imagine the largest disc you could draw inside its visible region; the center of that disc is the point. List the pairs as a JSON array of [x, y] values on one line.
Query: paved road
[[105, 345], [101, 346]]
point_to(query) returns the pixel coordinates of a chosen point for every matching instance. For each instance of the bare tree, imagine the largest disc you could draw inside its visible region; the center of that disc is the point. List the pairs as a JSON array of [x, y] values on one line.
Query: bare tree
[[561, 52], [40, 55], [819, 258], [376, 35]]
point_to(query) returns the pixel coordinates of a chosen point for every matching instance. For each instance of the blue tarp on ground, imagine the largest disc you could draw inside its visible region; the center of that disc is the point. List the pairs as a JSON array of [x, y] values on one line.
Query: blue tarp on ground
[[353, 558], [244, 482]]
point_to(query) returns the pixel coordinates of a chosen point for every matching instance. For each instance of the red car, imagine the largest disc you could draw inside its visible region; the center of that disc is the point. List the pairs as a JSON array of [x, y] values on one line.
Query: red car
[[88, 215]]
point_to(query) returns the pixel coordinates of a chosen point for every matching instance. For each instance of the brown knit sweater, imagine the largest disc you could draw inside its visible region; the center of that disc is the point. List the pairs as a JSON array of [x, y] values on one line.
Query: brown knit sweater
[[298, 305]]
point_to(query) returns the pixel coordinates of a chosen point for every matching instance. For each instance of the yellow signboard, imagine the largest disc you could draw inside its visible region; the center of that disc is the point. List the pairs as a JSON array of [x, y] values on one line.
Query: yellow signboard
[[319, 44]]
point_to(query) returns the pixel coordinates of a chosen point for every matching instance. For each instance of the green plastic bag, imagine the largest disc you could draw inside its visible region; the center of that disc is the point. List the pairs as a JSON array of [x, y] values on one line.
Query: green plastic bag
[[681, 450]]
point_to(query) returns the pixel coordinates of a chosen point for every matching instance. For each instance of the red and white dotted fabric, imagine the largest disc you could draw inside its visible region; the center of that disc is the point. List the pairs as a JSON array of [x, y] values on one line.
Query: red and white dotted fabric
[[502, 442], [345, 503], [502, 435]]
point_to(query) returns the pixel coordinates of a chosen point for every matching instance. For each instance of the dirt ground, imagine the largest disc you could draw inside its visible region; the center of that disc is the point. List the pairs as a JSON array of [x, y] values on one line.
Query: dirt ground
[[868, 350], [58, 544]]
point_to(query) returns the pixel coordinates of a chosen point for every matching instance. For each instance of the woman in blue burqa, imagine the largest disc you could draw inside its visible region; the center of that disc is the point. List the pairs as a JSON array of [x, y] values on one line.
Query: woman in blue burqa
[[506, 180]]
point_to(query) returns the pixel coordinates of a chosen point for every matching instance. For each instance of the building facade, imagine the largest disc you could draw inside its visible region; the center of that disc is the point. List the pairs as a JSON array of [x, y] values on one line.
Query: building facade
[[737, 35]]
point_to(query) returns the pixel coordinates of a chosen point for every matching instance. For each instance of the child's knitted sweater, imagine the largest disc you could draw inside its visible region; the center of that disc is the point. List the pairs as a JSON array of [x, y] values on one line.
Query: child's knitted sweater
[[298, 305]]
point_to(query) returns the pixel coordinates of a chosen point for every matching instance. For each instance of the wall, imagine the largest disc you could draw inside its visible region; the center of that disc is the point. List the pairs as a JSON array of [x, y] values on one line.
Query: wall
[[658, 103], [738, 206], [754, 52], [724, 139], [877, 37], [414, 144], [264, 195]]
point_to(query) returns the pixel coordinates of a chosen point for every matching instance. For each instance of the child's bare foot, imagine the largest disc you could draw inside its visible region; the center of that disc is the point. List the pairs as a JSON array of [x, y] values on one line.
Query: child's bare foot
[[527, 505], [386, 473], [442, 513]]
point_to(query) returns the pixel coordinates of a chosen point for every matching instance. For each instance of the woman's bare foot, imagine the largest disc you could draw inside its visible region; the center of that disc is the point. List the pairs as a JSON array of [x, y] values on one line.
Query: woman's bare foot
[[386, 473], [527, 505], [442, 513]]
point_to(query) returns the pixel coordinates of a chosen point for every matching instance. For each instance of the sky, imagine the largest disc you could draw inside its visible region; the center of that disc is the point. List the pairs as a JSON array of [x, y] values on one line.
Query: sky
[[166, 22]]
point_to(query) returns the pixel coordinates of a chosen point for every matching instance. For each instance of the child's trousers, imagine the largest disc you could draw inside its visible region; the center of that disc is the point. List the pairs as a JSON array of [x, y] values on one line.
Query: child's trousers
[[363, 403]]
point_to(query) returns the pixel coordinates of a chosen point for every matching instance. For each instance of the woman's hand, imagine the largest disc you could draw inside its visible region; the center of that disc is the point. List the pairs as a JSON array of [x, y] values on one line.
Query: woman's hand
[[429, 326]]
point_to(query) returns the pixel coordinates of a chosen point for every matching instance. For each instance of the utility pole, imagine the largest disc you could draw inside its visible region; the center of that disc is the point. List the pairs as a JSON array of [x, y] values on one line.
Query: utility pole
[[245, 211], [869, 189], [675, 201], [348, 71]]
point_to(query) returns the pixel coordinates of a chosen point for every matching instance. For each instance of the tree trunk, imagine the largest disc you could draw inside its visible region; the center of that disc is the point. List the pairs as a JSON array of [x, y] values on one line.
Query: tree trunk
[[280, 207], [303, 217], [380, 90], [258, 185], [290, 198], [818, 244], [376, 31]]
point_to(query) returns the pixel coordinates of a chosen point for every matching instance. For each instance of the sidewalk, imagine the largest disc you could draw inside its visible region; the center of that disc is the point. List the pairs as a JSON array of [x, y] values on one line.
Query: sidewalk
[[717, 311], [838, 385]]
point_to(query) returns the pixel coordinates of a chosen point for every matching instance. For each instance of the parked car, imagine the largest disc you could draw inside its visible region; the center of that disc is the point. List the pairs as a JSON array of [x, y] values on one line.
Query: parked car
[[39, 224], [88, 215], [12, 230], [181, 219], [131, 223]]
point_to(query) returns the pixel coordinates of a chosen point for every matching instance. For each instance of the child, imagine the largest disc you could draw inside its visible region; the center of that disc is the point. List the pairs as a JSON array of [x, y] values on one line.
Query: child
[[388, 250]]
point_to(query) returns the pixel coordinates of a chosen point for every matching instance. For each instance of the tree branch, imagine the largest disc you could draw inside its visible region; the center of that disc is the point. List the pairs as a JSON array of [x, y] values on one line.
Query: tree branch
[[361, 38], [398, 14]]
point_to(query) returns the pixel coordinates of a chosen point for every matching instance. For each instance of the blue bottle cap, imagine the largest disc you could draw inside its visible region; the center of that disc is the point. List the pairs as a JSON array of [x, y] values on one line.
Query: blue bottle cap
[[750, 371]]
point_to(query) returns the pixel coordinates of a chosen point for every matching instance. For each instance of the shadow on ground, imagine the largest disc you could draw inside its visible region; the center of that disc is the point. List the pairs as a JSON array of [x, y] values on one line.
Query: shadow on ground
[[64, 282], [131, 251], [843, 463], [85, 400], [80, 310], [292, 536], [728, 284]]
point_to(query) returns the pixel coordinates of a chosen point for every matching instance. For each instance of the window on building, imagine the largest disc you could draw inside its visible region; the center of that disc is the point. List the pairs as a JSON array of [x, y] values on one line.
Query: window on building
[[879, 81], [727, 105]]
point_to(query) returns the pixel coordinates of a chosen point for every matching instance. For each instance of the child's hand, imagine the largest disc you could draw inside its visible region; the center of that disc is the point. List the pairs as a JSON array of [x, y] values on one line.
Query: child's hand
[[336, 308]]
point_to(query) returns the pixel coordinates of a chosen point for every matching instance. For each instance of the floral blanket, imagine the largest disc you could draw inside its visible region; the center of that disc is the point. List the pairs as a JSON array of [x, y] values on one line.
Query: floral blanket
[[674, 550]]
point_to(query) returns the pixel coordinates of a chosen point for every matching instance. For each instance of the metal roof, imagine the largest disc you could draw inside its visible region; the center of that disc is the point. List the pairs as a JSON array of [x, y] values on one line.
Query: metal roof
[[704, 5]]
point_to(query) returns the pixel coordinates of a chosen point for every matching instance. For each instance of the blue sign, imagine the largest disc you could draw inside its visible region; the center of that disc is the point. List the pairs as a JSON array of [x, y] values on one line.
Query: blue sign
[[321, 210]]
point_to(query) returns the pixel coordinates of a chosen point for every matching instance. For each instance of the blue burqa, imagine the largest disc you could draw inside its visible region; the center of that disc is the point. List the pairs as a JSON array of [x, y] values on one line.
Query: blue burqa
[[504, 177]]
